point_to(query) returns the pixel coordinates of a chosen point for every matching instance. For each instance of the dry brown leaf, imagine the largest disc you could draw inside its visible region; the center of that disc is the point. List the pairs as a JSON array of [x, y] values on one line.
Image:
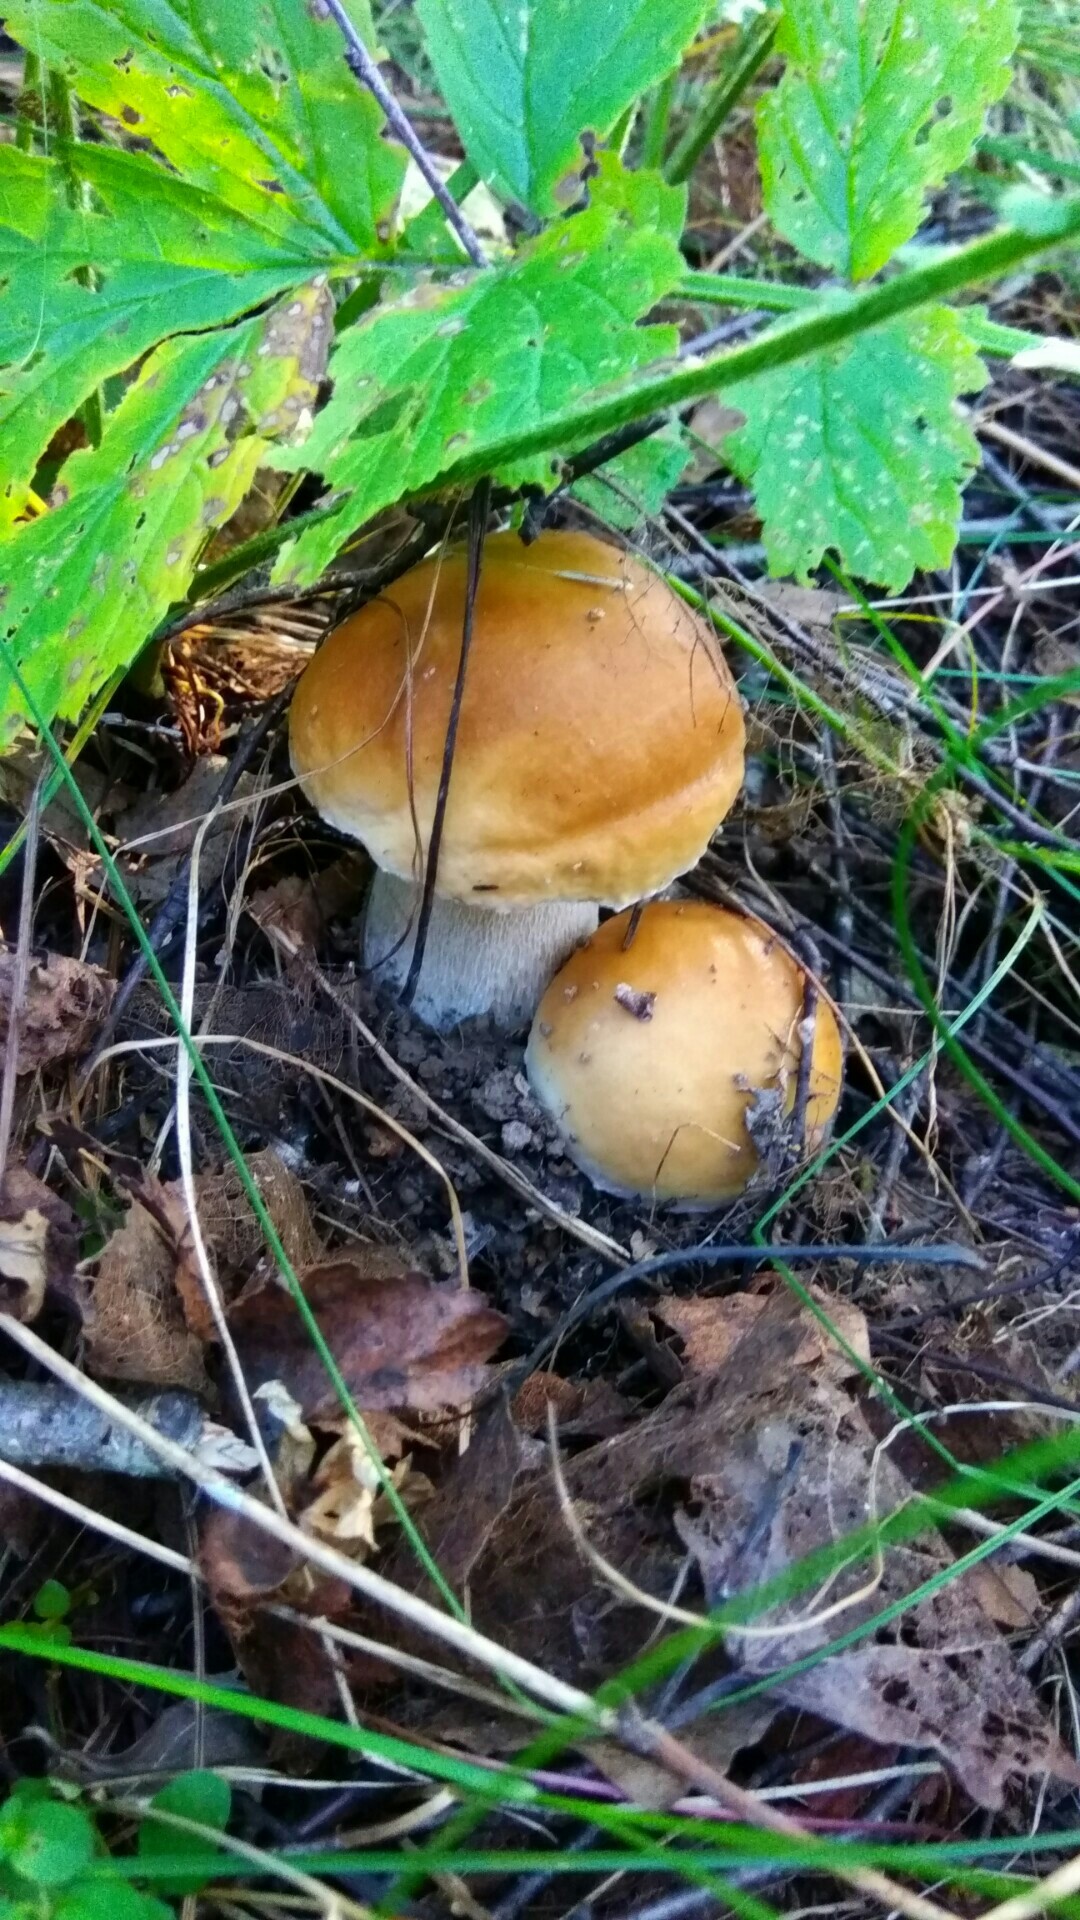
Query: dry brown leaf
[[813, 607], [138, 1328], [300, 906], [710, 423], [755, 1467], [1010, 1595], [459, 1519], [584, 1409], [349, 1501], [64, 1004], [244, 1569], [38, 1244], [230, 1226], [718, 1738], [711, 1329], [172, 820], [402, 1342], [1055, 655]]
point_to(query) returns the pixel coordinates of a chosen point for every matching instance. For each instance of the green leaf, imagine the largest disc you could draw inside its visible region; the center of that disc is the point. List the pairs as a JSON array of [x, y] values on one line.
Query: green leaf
[[165, 258], [252, 103], [52, 1601], [280, 172], [634, 486], [203, 1797], [526, 79], [109, 1898], [45, 1841], [881, 100], [448, 370], [87, 582], [879, 484]]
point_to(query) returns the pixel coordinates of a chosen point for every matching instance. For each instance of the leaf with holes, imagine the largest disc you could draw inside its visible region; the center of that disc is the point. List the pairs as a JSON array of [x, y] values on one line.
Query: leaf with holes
[[449, 369], [88, 580], [880, 485], [881, 100], [276, 170], [532, 83]]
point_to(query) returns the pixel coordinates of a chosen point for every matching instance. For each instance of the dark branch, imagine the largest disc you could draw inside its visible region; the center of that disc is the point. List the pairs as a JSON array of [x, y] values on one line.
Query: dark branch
[[363, 66]]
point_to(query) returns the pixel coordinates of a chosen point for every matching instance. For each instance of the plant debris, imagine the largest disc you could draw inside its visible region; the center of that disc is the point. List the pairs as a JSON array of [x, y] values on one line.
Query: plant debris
[[64, 1003], [401, 1342]]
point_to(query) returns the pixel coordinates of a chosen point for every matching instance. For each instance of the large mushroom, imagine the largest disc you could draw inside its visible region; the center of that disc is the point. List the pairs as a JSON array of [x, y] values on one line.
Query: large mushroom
[[650, 1046], [599, 744]]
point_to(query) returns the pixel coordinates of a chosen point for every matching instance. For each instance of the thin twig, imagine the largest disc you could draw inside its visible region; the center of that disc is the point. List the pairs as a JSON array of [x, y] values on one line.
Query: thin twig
[[360, 63], [478, 516], [172, 909], [654, 1743], [710, 1254], [420, 1613], [22, 972]]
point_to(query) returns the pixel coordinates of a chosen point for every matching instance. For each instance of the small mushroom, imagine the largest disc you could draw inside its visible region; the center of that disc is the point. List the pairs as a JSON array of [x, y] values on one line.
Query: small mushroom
[[600, 742], [652, 1057]]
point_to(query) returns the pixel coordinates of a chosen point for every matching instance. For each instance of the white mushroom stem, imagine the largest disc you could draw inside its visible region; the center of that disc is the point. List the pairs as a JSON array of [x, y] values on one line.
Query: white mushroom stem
[[478, 961]]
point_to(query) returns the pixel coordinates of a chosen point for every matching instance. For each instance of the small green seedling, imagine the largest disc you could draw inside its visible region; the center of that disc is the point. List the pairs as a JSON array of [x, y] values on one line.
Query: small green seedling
[[54, 1865]]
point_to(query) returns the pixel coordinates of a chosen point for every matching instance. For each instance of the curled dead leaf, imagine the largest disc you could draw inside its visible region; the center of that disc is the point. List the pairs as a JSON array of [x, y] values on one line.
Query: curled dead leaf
[[138, 1328], [38, 1244], [60, 1010], [402, 1342]]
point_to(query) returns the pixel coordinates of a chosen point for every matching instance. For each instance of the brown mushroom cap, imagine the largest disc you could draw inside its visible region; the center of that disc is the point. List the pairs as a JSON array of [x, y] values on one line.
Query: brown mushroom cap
[[647, 1058], [600, 739]]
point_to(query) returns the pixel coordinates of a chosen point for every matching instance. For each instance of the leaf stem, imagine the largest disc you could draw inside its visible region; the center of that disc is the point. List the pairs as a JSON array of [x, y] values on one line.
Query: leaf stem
[[830, 323], [727, 90]]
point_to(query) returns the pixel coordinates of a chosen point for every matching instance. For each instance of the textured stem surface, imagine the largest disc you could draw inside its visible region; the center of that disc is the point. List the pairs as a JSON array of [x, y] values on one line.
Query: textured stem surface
[[478, 961]]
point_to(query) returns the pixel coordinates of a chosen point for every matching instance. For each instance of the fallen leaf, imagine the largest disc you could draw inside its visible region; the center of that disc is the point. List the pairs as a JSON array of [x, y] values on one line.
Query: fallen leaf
[[138, 1328], [754, 1467], [245, 1569], [181, 1736], [38, 1244], [1010, 1595], [402, 1342], [60, 1011], [299, 907], [718, 1738], [459, 1519], [584, 1409], [1055, 655], [229, 1224], [709, 426], [813, 607], [158, 832], [349, 1500], [711, 1329]]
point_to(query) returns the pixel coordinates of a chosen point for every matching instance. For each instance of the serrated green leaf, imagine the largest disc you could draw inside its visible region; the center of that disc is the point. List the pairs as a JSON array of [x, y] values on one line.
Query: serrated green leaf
[[526, 79], [881, 100], [252, 103], [448, 369], [879, 484], [166, 257], [282, 173], [636, 483], [88, 581]]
